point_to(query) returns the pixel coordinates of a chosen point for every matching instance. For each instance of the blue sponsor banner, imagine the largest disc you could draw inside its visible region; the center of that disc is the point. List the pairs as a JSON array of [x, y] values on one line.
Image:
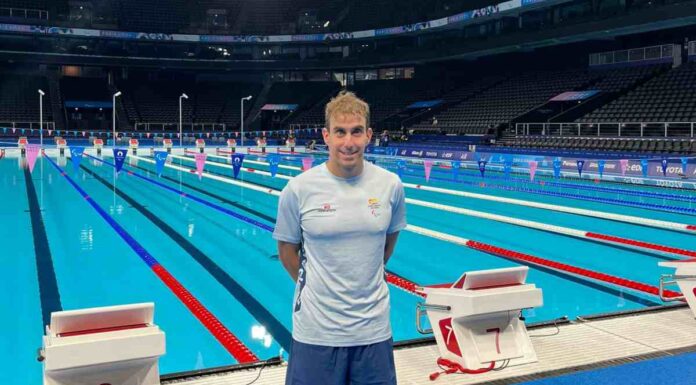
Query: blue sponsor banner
[[120, 157], [644, 167], [160, 160], [76, 156], [237, 160], [557, 163], [273, 162]]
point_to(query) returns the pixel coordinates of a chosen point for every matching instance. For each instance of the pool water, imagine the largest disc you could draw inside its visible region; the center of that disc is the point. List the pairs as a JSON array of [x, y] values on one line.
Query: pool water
[[214, 239]]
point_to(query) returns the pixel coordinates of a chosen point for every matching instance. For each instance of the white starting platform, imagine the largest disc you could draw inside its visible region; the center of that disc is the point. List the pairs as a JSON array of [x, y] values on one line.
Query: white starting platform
[[200, 145], [133, 145], [22, 143], [98, 145], [167, 144], [108, 345], [476, 320], [61, 145], [685, 277]]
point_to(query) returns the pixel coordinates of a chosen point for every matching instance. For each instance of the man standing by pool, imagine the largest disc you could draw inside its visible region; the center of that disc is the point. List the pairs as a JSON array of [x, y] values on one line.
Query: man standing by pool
[[337, 226]]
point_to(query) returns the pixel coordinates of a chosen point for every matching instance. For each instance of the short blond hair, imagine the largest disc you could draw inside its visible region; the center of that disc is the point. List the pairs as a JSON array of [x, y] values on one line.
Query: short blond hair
[[346, 103]]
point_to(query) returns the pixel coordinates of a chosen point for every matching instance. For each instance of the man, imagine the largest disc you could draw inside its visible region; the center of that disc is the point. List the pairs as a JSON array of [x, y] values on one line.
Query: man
[[337, 226]]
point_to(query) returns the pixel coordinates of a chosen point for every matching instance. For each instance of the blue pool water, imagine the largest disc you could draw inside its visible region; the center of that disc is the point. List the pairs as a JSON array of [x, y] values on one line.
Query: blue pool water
[[59, 253]]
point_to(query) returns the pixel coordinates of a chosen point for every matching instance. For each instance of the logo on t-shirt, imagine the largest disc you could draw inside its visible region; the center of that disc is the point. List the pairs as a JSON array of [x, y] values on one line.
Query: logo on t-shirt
[[373, 205], [326, 208]]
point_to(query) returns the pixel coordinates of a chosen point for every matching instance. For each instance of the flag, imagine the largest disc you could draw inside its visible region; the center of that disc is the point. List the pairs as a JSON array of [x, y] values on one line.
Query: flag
[[273, 162], [400, 168], [581, 164], [307, 163], [119, 157], [644, 167], [160, 159], [532, 169], [482, 167], [32, 153], [664, 163], [600, 167], [623, 163], [456, 165], [507, 165], [237, 160], [200, 163], [76, 156], [557, 164], [685, 164], [428, 165]]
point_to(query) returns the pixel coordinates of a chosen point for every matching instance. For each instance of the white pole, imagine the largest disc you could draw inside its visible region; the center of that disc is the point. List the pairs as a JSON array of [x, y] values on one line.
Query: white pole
[[113, 115], [241, 108], [181, 124], [41, 94], [242, 114]]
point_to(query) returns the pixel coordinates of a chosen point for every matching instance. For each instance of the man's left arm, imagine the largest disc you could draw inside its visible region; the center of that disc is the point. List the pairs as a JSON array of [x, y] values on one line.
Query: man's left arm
[[389, 245], [398, 220]]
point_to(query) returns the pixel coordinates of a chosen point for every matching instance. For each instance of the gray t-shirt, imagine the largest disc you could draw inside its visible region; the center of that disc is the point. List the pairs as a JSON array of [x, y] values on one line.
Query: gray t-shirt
[[341, 296]]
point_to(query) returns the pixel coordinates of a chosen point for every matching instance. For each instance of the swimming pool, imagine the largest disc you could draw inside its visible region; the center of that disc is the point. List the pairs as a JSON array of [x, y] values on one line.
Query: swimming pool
[[201, 250]]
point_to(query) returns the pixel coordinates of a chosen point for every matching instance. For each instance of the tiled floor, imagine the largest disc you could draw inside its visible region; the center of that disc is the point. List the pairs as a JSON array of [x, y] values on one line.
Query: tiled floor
[[578, 346]]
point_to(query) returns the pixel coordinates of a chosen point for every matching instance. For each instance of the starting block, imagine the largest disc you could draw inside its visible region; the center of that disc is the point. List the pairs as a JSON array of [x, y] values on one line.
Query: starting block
[[98, 145], [476, 320], [61, 144], [232, 144], [106, 345], [22, 144], [261, 143], [685, 277], [200, 145], [133, 145], [290, 143], [167, 143]]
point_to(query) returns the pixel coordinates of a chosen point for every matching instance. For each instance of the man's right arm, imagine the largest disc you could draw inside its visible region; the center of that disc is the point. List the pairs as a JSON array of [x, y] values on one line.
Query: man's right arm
[[289, 254]]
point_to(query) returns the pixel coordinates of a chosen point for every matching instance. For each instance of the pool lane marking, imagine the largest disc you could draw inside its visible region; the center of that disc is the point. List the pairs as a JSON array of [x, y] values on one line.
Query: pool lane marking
[[582, 234], [49, 293], [533, 260], [245, 160], [571, 210], [228, 340], [399, 282], [279, 332], [592, 236]]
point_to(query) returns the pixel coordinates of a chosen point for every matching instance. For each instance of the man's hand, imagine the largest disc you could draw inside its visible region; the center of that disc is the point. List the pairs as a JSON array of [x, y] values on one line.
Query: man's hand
[[289, 254]]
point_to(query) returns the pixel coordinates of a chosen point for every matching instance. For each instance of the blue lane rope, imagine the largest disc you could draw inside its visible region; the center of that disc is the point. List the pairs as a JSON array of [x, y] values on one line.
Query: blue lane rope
[[194, 198], [672, 209], [646, 194]]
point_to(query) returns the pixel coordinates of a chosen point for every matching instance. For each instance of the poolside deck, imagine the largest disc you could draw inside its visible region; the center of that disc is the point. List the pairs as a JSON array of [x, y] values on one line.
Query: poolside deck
[[579, 345]]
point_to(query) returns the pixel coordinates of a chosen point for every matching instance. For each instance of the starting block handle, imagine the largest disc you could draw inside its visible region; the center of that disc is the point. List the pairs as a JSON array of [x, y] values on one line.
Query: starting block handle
[[421, 309], [668, 280]]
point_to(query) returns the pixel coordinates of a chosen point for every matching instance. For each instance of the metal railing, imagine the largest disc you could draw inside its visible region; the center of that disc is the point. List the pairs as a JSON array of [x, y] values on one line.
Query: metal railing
[[665, 51], [190, 127], [24, 13], [27, 125], [613, 129]]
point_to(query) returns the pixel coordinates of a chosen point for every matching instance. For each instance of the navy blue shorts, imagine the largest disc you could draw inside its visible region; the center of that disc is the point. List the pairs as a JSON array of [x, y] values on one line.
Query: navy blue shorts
[[355, 365]]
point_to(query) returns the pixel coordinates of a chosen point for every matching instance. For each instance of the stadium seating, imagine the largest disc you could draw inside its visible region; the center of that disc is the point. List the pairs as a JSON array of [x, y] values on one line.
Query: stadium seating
[[669, 97], [20, 98]]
